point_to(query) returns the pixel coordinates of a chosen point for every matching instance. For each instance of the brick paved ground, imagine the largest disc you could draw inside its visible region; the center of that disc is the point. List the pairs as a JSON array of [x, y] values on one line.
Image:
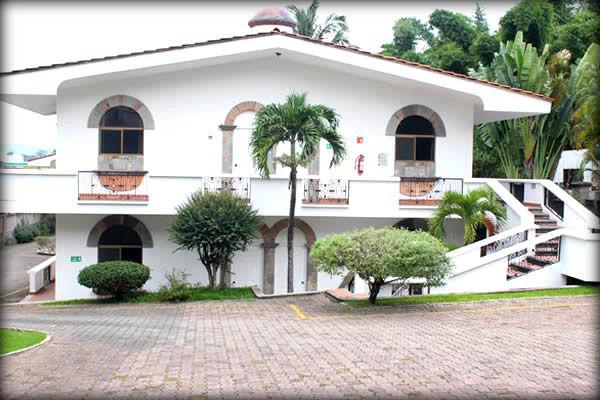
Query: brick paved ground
[[538, 348]]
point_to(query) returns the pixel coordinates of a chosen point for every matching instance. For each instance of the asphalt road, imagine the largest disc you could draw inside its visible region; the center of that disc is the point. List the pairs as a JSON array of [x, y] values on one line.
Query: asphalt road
[[14, 263]]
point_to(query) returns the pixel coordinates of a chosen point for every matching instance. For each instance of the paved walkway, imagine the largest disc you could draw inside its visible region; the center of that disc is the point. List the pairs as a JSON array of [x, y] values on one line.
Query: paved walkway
[[14, 262], [537, 348]]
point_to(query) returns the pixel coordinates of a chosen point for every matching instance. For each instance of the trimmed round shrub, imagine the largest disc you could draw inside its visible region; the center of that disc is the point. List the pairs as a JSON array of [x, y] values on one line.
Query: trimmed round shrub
[[25, 233], [117, 278]]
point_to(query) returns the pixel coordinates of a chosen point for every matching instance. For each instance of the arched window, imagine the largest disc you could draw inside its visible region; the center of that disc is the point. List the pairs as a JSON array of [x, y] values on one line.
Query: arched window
[[120, 242], [121, 132], [415, 139]]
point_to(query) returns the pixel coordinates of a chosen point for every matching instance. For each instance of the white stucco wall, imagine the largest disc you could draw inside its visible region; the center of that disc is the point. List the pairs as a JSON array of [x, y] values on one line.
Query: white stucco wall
[[572, 159], [189, 106], [247, 268]]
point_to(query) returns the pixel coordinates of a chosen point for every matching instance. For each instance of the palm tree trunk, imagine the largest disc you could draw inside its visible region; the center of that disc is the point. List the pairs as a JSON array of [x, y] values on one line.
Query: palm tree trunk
[[290, 233]]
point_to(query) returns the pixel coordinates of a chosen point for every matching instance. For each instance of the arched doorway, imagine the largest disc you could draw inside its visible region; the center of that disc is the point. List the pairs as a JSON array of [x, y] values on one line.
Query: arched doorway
[[120, 243], [275, 257], [241, 158], [281, 262]]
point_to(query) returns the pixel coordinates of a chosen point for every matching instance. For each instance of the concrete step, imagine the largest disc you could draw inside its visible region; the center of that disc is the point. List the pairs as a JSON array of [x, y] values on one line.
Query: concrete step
[[538, 260], [513, 273], [525, 266], [530, 204], [544, 229], [545, 222]]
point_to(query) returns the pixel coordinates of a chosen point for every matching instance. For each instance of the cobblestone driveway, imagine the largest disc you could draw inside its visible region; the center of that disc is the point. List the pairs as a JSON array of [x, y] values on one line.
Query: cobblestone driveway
[[255, 349]]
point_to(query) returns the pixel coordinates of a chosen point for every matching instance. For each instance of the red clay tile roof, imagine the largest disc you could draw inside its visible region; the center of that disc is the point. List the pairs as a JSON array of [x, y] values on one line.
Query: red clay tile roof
[[291, 35]]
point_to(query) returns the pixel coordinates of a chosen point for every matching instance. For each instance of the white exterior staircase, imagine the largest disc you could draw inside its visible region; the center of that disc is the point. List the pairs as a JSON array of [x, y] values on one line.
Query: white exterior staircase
[[546, 253]]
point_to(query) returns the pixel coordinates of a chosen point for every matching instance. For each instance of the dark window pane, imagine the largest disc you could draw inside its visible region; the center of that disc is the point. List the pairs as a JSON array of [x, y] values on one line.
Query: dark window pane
[[132, 142], [415, 289], [415, 125], [121, 117], [405, 148], [131, 254], [120, 234], [110, 141], [424, 149], [108, 254]]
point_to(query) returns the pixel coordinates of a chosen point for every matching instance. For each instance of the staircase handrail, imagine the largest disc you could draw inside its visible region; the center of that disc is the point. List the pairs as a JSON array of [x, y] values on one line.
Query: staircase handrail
[[592, 221], [507, 197], [489, 240]]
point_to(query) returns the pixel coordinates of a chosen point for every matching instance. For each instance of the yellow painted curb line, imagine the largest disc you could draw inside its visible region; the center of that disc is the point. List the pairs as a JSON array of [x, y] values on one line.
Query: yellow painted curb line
[[302, 316], [14, 291]]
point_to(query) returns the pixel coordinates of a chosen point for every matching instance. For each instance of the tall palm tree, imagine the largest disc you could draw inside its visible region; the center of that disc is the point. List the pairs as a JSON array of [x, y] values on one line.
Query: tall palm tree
[[302, 126], [474, 208], [335, 26]]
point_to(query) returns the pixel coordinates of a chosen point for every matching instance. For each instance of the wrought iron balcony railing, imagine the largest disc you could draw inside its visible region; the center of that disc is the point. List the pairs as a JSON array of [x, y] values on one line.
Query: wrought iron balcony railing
[[504, 243], [427, 191], [112, 185], [318, 191], [238, 186]]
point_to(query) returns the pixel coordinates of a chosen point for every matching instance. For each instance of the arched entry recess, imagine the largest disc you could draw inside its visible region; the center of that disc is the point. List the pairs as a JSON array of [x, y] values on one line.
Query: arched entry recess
[[269, 245]]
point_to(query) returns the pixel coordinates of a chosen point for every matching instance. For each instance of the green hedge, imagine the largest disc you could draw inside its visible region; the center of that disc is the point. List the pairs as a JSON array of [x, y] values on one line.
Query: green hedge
[[117, 278], [25, 233]]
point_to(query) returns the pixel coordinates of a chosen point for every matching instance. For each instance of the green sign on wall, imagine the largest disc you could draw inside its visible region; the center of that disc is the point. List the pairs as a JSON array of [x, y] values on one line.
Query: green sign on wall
[[75, 258]]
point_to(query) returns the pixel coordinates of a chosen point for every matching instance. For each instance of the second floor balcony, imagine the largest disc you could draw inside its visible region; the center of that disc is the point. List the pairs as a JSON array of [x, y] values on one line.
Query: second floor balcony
[[112, 186], [98, 192]]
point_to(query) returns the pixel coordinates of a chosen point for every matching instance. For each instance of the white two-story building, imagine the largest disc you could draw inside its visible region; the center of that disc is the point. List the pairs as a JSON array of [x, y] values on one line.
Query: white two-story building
[[138, 133]]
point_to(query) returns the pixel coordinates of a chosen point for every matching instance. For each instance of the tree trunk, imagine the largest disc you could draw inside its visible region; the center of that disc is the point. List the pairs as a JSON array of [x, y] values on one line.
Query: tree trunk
[[222, 278], [211, 278], [374, 288], [290, 233]]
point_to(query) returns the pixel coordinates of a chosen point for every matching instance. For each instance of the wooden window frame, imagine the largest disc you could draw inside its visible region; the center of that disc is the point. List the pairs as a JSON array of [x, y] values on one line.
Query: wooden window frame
[[122, 133], [120, 247], [414, 139]]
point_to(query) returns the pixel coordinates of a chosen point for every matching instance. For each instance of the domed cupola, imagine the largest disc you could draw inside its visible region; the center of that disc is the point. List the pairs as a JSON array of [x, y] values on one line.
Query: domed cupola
[[270, 18]]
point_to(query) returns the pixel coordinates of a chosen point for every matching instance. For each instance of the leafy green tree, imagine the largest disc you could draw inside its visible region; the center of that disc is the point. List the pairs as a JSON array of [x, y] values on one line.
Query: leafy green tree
[[586, 117], [576, 34], [334, 28], [475, 209], [486, 163], [408, 32], [531, 147], [452, 27], [451, 57], [383, 256], [484, 47], [301, 126], [479, 21], [535, 18], [215, 225]]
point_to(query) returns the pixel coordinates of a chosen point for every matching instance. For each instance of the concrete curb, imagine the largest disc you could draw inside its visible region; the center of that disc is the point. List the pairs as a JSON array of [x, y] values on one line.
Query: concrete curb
[[260, 295], [46, 340]]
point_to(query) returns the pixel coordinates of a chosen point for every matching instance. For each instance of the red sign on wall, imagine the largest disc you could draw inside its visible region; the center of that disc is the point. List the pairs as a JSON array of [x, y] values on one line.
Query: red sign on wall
[[359, 139]]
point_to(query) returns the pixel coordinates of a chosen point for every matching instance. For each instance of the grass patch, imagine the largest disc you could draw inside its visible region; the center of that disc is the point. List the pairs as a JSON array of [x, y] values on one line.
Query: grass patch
[[452, 298], [191, 294], [13, 340]]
